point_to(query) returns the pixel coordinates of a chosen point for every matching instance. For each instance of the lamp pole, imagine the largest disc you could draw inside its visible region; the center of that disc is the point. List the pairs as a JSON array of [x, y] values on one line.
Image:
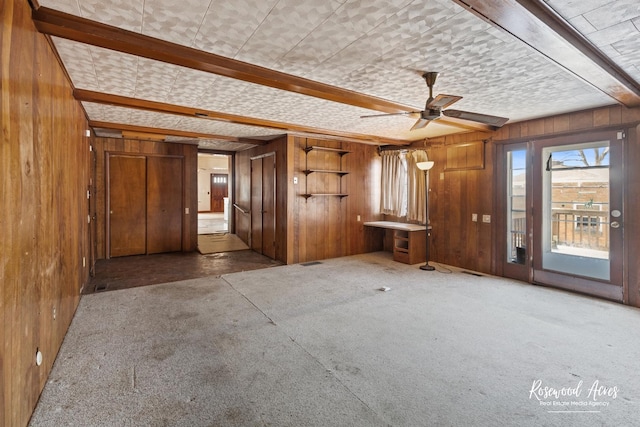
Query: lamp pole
[[425, 166]]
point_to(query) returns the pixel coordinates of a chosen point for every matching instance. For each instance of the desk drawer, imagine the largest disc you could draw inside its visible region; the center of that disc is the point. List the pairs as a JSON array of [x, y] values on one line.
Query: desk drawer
[[401, 256]]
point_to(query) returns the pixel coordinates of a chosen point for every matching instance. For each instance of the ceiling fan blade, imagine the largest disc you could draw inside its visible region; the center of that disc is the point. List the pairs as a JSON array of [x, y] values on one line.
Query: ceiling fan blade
[[391, 114], [476, 117], [443, 101], [421, 123]]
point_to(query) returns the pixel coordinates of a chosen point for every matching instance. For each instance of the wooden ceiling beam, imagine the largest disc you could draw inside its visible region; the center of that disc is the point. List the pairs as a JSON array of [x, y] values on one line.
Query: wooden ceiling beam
[[539, 26], [170, 132], [67, 26], [159, 107]]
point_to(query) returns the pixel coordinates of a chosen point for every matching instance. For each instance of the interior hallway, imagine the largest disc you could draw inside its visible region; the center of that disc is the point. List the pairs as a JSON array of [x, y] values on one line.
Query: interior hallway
[[321, 345], [212, 222]]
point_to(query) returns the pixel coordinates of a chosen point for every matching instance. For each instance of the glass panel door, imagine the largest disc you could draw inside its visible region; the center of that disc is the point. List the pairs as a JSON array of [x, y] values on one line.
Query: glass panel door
[[577, 213], [576, 201]]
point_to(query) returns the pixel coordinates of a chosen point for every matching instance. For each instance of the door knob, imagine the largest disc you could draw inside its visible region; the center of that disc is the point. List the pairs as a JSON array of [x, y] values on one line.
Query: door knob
[[615, 224]]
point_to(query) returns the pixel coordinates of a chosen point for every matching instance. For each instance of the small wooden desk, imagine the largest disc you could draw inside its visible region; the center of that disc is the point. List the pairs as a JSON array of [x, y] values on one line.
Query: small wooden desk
[[409, 240]]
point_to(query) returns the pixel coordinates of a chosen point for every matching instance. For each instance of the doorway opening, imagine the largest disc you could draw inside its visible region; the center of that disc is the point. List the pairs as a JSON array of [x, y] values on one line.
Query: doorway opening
[[214, 190], [562, 214]]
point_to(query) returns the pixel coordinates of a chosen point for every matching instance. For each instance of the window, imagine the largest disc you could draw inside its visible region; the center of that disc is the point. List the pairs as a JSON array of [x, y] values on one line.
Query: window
[[516, 206], [403, 184]]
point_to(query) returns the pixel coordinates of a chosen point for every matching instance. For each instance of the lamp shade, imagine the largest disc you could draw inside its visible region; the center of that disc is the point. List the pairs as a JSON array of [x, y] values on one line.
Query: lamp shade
[[425, 166]]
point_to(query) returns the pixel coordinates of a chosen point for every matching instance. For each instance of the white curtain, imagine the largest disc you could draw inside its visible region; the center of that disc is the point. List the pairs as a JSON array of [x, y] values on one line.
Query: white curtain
[[416, 185], [394, 183]]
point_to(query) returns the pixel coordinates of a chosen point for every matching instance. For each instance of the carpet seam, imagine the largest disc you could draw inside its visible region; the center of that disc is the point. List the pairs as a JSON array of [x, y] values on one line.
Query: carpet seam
[[314, 358]]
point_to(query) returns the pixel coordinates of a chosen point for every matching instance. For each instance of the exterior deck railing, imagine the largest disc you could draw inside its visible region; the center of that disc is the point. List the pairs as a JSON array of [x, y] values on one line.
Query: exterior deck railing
[[573, 228], [580, 228]]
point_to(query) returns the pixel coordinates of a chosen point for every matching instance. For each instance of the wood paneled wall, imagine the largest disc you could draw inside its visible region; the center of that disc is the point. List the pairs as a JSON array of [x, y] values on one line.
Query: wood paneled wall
[[328, 227], [586, 120], [134, 146], [455, 195], [44, 177], [632, 220], [318, 227], [242, 196]]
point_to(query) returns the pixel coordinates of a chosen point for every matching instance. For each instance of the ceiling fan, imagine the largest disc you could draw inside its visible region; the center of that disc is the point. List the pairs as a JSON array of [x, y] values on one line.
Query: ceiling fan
[[433, 110]]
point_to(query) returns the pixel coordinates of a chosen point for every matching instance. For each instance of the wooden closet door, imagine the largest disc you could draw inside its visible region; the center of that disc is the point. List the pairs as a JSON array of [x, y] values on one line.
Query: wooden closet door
[[269, 206], [164, 204], [263, 205], [256, 205], [127, 205]]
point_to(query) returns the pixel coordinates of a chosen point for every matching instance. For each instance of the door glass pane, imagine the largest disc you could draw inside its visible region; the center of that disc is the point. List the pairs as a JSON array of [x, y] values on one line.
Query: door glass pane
[[576, 209], [516, 207]]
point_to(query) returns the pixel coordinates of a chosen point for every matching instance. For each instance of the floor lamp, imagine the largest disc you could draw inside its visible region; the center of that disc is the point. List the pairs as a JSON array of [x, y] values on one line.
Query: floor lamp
[[425, 166]]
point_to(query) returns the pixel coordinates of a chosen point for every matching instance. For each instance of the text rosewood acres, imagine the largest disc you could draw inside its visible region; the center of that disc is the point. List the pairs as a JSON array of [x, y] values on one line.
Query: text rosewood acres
[[595, 393]]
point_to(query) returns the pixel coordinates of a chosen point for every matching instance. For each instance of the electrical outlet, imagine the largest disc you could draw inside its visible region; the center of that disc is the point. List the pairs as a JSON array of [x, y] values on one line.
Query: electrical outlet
[[358, 218], [474, 217], [486, 218], [186, 211]]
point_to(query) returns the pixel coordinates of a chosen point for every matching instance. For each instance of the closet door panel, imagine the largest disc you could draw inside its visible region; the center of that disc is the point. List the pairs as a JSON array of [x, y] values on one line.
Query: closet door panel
[[269, 206], [164, 204], [127, 205], [256, 205]]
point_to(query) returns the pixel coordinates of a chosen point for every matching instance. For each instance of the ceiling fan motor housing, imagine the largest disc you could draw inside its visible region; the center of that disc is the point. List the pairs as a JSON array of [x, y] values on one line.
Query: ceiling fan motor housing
[[430, 113]]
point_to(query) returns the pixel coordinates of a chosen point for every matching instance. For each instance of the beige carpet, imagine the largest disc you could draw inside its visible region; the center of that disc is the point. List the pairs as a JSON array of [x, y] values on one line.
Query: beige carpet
[[321, 345], [213, 243]]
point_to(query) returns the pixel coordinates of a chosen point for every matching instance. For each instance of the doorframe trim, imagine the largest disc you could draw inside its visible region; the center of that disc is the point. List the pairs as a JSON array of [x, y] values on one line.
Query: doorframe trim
[[262, 156], [592, 287], [589, 286]]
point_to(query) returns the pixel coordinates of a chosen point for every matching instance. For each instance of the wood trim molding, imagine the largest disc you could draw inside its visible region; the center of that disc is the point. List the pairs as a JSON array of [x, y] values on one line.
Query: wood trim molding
[[60, 24], [536, 24], [168, 132], [159, 107]]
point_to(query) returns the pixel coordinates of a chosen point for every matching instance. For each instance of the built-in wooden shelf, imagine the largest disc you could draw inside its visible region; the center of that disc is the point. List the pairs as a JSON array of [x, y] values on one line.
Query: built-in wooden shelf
[[306, 196], [339, 172], [308, 171], [335, 150]]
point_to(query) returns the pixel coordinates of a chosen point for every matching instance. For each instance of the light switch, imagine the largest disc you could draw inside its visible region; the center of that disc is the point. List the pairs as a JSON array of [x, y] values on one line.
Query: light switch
[[474, 217], [486, 218], [295, 179]]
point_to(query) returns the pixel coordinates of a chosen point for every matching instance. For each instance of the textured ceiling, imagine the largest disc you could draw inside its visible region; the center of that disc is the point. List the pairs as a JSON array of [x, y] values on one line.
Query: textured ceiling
[[373, 47]]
